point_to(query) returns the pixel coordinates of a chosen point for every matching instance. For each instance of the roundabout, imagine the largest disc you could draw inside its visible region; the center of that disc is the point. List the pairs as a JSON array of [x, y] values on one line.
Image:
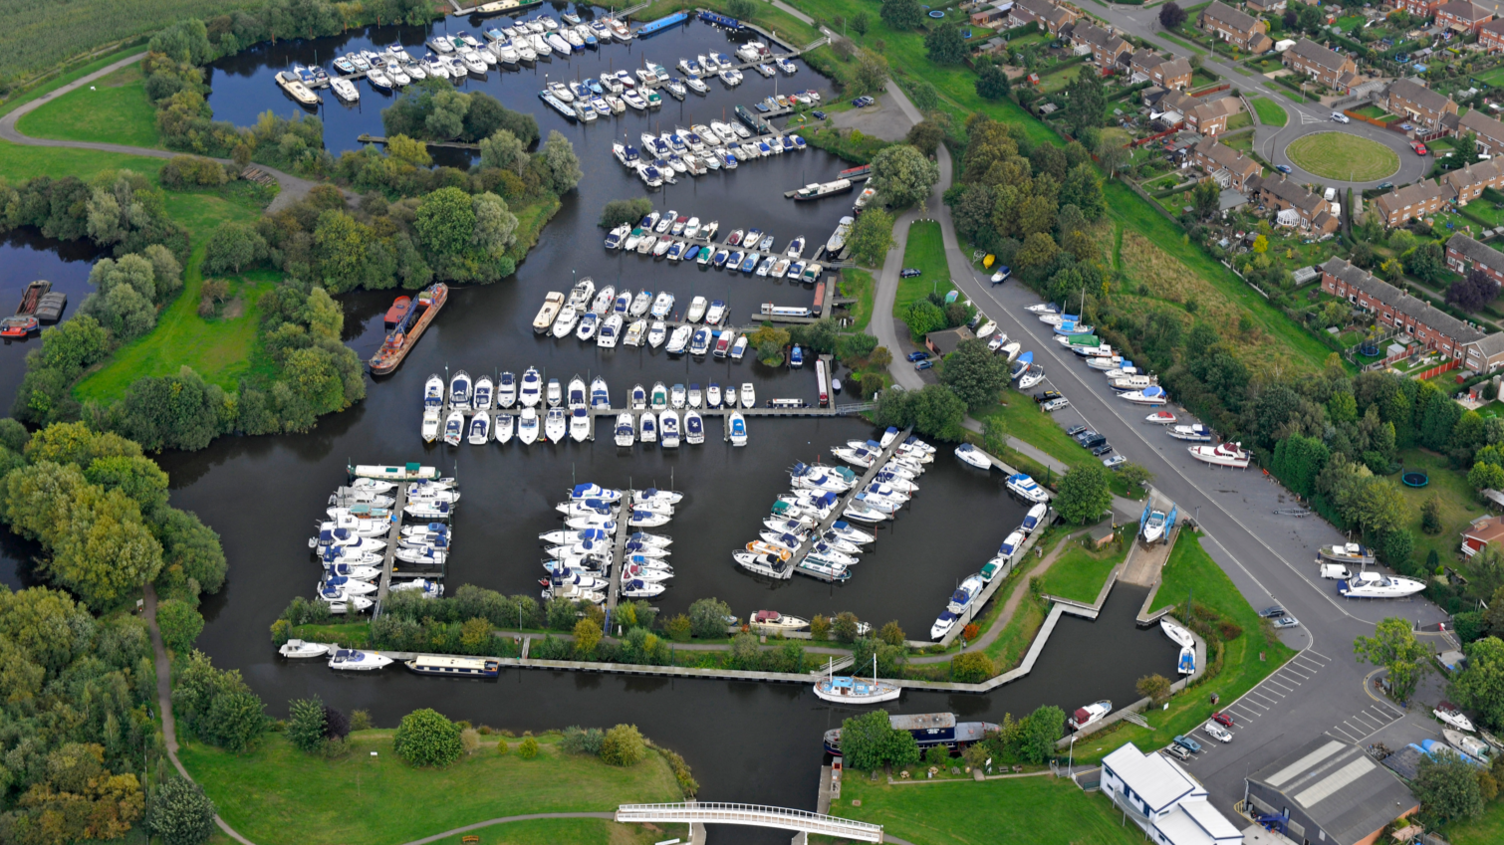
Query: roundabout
[[1344, 156]]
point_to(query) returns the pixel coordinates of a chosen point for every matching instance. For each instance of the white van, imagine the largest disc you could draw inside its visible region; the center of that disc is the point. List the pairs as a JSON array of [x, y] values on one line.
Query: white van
[[1335, 571]]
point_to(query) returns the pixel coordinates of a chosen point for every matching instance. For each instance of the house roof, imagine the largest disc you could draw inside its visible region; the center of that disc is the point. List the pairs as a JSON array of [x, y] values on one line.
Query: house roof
[[1479, 123], [1490, 345], [1232, 18], [1495, 26], [1397, 199], [1473, 174], [1293, 193], [945, 341], [1489, 529], [1175, 67], [1227, 157], [1338, 787], [1197, 823], [1464, 11], [1317, 54], [1045, 10], [1152, 777], [1476, 251], [1225, 107], [1419, 94], [1096, 36], [1403, 303]]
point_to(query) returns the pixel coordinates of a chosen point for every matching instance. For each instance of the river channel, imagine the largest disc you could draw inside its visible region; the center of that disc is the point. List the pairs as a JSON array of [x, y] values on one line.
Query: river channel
[[746, 742]]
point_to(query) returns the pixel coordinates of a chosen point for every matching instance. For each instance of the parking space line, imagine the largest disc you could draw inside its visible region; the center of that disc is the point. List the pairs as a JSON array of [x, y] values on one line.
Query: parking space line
[[1344, 735], [1303, 675], [1287, 679], [1286, 688], [1246, 714], [1312, 654], [1271, 699], [1246, 701], [1362, 721]]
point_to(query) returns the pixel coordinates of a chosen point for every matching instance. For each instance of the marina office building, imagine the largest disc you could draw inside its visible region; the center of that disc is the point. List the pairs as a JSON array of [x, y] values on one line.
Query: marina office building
[[1328, 792]]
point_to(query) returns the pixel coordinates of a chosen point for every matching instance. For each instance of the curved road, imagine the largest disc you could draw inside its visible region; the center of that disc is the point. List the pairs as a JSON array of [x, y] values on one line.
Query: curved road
[[293, 188]]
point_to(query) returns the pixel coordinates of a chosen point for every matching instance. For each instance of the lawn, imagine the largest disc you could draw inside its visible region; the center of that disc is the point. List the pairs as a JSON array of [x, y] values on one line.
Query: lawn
[[1494, 77], [1459, 505], [1080, 572], [1485, 830], [1190, 570], [1339, 155], [1012, 810], [924, 251], [766, 15], [360, 799], [1054, 81], [858, 285], [1270, 112], [113, 109], [1021, 418]]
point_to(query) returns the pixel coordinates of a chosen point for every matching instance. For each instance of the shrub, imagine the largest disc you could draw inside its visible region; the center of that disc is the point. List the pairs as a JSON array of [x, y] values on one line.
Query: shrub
[[305, 724], [971, 667], [528, 748], [180, 813], [501, 746], [707, 618], [819, 628], [577, 740], [846, 627], [623, 746], [427, 738], [1154, 687], [360, 720], [937, 755], [469, 741], [617, 212], [678, 629]]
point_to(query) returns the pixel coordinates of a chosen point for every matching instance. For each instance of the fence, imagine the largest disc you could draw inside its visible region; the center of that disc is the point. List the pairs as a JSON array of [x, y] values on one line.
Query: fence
[[1438, 370], [1355, 116]]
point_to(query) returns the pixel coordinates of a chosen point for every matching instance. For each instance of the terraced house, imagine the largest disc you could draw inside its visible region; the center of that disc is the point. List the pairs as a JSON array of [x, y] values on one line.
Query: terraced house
[[1326, 66], [1236, 27], [1434, 328], [1051, 17], [1489, 132], [1468, 182], [1419, 8], [1397, 208], [1464, 254], [1421, 104], [1462, 16], [1172, 74], [1106, 46], [1491, 36], [1225, 165]]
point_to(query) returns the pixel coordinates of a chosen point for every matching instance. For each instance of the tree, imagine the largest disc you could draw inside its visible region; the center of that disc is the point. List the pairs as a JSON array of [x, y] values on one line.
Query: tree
[[923, 317], [1082, 188], [561, 166], [1112, 150], [623, 746], [445, 221], [1038, 732], [945, 45], [891, 634], [427, 738], [871, 237], [504, 150], [1206, 198], [1480, 686], [1473, 291], [1084, 493], [976, 374], [869, 742], [1038, 250], [1394, 647], [971, 667], [1448, 788], [1171, 16], [1154, 687], [305, 724], [871, 71], [902, 175], [495, 226], [901, 14], [1085, 102], [180, 813], [179, 623], [925, 136], [992, 83], [618, 212], [233, 247], [587, 635], [846, 627], [1426, 262], [860, 23], [708, 618]]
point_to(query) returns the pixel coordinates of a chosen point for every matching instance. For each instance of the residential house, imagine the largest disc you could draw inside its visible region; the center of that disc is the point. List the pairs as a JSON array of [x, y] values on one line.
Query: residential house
[[1329, 792], [1491, 35], [1421, 104], [1422, 9], [1434, 328], [1160, 797], [1468, 182], [1485, 354], [1326, 66], [1171, 73], [1465, 254], [1236, 27], [1400, 206], [1051, 17], [1462, 16], [1229, 167], [1209, 117], [1266, 7], [1294, 205], [1106, 46], [1486, 530], [945, 341], [1489, 132]]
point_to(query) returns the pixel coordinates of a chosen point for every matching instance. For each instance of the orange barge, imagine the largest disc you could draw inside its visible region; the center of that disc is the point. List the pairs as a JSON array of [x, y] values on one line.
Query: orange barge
[[411, 327]]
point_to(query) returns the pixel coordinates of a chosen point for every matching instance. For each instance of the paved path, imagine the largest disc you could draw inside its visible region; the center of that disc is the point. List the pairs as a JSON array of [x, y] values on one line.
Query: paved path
[[164, 701], [293, 188]]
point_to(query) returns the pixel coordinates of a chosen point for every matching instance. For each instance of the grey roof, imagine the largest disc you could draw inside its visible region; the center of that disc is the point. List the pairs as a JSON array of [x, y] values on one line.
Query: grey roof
[[1227, 157], [1235, 19], [1313, 52], [1420, 192], [1490, 345], [1096, 35], [1477, 251], [1472, 174], [1463, 10], [1293, 193], [1404, 762], [1417, 93], [1403, 303], [1479, 123], [1341, 789]]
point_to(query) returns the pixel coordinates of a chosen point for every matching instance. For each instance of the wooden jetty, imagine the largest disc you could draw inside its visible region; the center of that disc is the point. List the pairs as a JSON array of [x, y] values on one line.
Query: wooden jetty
[[846, 498], [366, 138], [393, 539], [618, 552]]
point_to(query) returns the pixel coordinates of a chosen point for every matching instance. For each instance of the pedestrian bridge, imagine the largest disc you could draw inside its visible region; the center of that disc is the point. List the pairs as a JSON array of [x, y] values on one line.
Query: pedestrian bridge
[[750, 814]]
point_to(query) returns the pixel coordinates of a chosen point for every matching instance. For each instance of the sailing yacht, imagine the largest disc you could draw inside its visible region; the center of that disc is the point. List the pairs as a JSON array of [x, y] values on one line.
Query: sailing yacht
[[854, 690]]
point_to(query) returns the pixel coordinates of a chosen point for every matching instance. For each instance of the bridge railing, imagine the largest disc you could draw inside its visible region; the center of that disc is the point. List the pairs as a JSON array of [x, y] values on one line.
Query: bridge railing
[[751, 814]]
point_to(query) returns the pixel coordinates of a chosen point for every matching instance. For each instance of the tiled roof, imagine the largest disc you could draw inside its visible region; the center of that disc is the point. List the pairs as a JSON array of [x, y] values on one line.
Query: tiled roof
[[1465, 11], [1227, 157], [1402, 303], [1233, 18], [1415, 194], [1313, 52], [1477, 252], [1478, 122], [1417, 93], [1473, 174]]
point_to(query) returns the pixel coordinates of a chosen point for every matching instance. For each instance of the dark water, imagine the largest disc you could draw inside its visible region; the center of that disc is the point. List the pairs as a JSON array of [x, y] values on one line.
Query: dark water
[[746, 742]]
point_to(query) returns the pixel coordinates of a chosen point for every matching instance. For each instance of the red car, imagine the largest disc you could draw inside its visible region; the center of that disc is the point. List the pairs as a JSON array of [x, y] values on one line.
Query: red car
[[1222, 718], [1420, 149]]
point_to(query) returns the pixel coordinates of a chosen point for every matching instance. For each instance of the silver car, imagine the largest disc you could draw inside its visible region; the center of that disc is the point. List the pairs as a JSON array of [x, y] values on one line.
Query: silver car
[[1056, 404]]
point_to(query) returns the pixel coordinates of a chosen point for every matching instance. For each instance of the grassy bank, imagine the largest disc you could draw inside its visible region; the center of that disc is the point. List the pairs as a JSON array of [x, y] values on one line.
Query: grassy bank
[[924, 251], [1270, 113], [1012, 810], [360, 799], [1487, 829], [1080, 572], [112, 109], [858, 284]]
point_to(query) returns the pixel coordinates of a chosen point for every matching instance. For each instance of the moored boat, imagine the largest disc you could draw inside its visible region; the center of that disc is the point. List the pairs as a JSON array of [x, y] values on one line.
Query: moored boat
[[407, 332]]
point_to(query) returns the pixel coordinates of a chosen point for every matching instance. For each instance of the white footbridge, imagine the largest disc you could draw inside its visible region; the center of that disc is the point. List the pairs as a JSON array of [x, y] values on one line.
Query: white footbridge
[[754, 815]]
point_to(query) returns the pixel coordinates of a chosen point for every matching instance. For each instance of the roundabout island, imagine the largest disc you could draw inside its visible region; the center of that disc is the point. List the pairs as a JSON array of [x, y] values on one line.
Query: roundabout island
[[1344, 156]]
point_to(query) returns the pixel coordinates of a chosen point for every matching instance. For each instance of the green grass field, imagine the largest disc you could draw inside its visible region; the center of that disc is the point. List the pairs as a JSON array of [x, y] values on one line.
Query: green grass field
[[363, 800], [1485, 830], [1459, 505], [925, 251], [1024, 811], [113, 109], [1079, 572], [1494, 77], [1022, 418], [1338, 155], [1270, 112], [858, 284]]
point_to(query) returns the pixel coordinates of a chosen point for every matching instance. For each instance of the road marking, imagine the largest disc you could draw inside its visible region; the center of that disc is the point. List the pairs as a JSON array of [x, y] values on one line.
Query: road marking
[[1287, 689], [1303, 676]]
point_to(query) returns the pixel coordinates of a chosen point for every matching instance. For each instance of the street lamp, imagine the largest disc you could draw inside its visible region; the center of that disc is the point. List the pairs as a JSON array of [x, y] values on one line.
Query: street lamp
[[1070, 761]]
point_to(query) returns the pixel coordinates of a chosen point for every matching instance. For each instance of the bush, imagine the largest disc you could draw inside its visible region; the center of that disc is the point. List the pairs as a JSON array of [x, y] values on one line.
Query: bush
[[971, 667], [708, 618], [528, 748], [360, 720], [180, 813], [1154, 687], [623, 746], [305, 724], [937, 755], [427, 738], [577, 740], [179, 623], [846, 627]]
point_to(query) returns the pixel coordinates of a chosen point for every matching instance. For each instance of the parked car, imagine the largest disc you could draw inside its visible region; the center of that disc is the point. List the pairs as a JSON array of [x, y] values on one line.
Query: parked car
[[1178, 753], [1221, 718], [918, 356], [1272, 612], [1283, 168], [1286, 622], [1114, 462], [1217, 732], [1075, 430], [862, 102], [1188, 744], [818, 115], [1056, 404], [1045, 396], [1101, 450], [1340, 117], [1384, 186], [924, 365], [1420, 149], [909, 272]]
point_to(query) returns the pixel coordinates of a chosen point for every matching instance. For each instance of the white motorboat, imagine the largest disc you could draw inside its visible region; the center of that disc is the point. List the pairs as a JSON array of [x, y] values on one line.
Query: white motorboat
[[565, 322], [737, 429], [580, 427], [604, 298], [480, 429], [298, 649], [1154, 526], [527, 426], [459, 391], [532, 388], [1010, 547], [1469, 745], [748, 395], [771, 621], [943, 625], [610, 332], [553, 393], [1225, 455], [454, 428], [600, 394], [648, 427], [663, 305], [1376, 585], [657, 334], [589, 322], [694, 428], [555, 425], [1180, 636], [636, 333], [355, 660], [506, 390], [696, 310], [1089, 714], [1186, 663], [1034, 518], [680, 340], [1198, 433], [481, 396], [1160, 417], [1027, 489], [430, 426], [668, 429], [1348, 553], [505, 427], [626, 429], [1154, 395]]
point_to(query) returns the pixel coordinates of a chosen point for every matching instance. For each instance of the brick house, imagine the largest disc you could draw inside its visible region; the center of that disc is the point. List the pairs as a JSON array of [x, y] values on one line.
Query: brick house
[[1468, 182], [1485, 354], [1462, 16], [1172, 74], [1229, 167], [1310, 210], [1399, 207], [1421, 104], [1464, 254], [1326, 66], [1236, 27], [1266, 7], [1489, 132], [1050, 17], [1105, 46], [1491, 35], [1419, 8], [1210, 118], [1434, 328]]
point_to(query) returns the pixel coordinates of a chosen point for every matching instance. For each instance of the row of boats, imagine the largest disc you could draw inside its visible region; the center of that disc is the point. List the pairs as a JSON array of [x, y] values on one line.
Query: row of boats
[[359, 660], [1185, 664], [699, 149], [39, 304], [611, 318], [967, 598], [750, 251], [611, 94], [1021, 485], [1334, 561], [580, 557], [352, 544]]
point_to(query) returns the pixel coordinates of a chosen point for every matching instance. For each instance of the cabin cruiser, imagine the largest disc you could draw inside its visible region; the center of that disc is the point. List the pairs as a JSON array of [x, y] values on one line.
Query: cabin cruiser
[[1348, 553], [506, 390], [1180, 636], [1154, 526], [480, 429], [1010, 547], [1090, 714], [737, 429], [663, 304], [1186, 664], [965, 595], [610, 332], [454, 428], [1161, 418], [635, 333], [694, 428], [1375, 585], [648, 432], [1195, 432], [1148, 396], [565, 322], [355, 660], [1469, 745], [1026, 488], [430, 426], [1226, 455], [527, 425], [459, 391], [943, 625], [680, 340], [532, 384], [299, 648], [1449, 713], [481, 395], [554, 395], [505, 426], [668, 429], [555, 425], [589, 322]]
